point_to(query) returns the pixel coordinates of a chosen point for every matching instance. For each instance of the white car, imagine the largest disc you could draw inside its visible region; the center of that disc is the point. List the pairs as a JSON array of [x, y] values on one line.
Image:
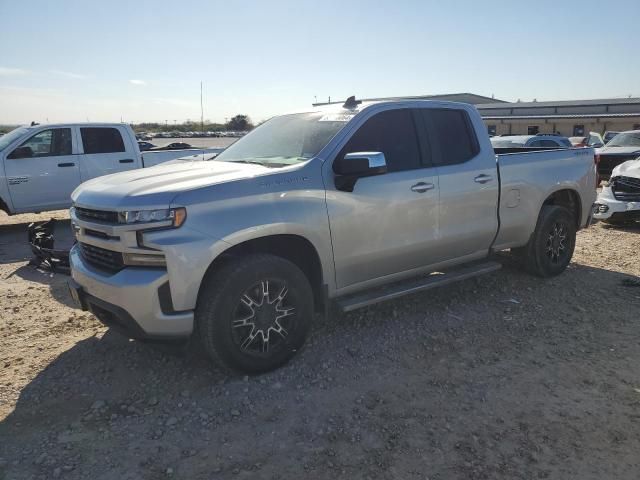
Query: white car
[[619, 200], [41, 165]]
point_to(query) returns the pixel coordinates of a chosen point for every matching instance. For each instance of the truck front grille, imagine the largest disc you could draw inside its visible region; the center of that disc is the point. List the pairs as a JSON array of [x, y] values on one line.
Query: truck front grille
[[626, 189], [608, 162], [91, 215], [101, 257]]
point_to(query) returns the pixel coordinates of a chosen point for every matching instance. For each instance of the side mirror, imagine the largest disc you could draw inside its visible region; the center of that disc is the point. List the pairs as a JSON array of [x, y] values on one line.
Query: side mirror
[[597, 145], [353, 166], [21, 152]]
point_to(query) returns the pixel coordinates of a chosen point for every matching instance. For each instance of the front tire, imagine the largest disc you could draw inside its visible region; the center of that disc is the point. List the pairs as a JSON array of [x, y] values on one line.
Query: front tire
[[550, 248], [254, 313]]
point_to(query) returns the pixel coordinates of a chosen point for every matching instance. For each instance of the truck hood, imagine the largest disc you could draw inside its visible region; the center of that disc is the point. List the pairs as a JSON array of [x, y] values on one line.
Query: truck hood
[[630, 168], [618, 150], [155, 187]]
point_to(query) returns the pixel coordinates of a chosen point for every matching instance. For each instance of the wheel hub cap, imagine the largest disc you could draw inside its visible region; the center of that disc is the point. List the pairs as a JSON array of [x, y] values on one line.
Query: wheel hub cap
[[556, 245], [259, 323]]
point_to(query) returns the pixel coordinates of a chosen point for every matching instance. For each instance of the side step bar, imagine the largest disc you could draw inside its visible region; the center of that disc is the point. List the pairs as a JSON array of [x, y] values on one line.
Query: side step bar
[[395, 290]]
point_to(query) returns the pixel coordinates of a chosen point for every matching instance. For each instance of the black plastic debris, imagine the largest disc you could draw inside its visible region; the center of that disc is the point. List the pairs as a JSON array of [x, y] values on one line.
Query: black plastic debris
[[46, 256]]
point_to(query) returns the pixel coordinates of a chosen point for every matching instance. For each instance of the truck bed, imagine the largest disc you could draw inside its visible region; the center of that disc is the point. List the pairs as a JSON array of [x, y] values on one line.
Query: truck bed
[[526, 179]]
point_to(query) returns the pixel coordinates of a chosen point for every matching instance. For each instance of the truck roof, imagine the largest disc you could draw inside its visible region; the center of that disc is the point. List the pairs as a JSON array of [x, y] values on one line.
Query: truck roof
[[363, 105], [75, 124]]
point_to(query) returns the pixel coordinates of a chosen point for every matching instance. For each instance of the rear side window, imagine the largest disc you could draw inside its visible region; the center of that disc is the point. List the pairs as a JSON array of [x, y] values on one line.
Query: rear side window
[[451, 130], [392, 133], [101, 140]]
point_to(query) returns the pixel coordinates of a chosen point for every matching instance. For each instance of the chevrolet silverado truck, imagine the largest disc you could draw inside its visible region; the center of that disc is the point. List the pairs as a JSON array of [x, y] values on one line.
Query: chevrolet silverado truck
[[331, 209], [41, 165]]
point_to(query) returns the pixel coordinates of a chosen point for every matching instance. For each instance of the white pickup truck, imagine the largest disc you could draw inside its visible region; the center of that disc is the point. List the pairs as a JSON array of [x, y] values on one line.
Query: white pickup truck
[[41, 165]]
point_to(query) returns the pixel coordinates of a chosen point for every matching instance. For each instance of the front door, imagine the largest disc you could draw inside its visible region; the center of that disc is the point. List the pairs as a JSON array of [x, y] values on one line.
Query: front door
[[388, 223], [42, 172]]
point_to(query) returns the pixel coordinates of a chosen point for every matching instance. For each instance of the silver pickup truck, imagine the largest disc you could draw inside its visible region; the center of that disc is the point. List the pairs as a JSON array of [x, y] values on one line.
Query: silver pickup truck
[[340, 206]]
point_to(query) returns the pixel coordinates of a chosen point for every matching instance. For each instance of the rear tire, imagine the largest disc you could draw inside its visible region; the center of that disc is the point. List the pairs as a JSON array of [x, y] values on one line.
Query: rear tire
[[550, 248], [254, 313]]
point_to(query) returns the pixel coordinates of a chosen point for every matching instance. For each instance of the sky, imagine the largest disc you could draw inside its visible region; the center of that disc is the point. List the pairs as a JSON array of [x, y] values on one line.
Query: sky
[[138, 61]]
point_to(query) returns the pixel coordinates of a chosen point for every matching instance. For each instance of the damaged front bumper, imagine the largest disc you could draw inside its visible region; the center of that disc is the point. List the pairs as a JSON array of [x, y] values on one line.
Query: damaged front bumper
[[621, 196]]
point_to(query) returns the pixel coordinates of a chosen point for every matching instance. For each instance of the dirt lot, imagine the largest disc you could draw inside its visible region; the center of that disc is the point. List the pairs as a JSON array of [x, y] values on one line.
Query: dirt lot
[[505, 376]]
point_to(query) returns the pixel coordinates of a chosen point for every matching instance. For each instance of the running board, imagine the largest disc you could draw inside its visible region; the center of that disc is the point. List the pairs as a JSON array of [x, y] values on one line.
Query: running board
[[399, 289]]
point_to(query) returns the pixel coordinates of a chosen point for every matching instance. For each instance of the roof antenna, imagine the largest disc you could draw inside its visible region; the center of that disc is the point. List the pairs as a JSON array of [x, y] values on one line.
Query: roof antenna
[[351, 102], [33, 124]]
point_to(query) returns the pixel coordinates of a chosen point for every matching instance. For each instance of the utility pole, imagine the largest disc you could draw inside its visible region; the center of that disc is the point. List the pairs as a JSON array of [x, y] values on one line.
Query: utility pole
[[201, 110]]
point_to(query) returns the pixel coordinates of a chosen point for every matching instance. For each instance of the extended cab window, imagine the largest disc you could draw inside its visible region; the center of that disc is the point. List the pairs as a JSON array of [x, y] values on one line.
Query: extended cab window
[[47, 143], [392, 133], [101, 140], [453, 134]]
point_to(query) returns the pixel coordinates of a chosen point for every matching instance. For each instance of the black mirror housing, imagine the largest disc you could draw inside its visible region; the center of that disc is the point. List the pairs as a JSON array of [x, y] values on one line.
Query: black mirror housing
[[353, 166]]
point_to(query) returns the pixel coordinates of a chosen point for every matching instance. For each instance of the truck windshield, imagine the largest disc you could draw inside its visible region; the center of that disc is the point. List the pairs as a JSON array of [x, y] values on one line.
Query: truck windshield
[[6, 140], [631, 139], [286, 140]]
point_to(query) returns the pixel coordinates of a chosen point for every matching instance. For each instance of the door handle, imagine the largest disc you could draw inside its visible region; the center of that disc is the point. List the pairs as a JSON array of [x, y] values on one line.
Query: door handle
[[422, 187], [126, 160], [67, 164], [483, 178]]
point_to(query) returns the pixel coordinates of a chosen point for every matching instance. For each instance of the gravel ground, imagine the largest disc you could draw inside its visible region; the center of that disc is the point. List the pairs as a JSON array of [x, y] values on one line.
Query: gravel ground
[[504, 376]]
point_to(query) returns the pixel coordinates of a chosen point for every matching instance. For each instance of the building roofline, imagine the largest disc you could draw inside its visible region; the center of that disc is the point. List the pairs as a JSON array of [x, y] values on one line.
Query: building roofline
[[601, 102], [559, 116]]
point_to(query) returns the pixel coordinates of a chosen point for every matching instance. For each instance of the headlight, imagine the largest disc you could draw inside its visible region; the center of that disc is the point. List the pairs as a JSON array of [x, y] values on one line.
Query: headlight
[[175, 215], [145, 259]]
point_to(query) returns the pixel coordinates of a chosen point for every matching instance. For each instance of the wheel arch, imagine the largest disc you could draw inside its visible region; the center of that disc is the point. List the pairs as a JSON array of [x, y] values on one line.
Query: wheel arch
[[568, 198], [293, 247], [4, 207]]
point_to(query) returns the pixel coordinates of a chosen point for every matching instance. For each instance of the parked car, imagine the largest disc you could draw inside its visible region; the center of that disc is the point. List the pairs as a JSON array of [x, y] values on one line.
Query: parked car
[[41, 165], [608, 135], [177, 146], [531, 141], [624, 146], [593, 140], [144, 146], [342, 205], [619, 200]]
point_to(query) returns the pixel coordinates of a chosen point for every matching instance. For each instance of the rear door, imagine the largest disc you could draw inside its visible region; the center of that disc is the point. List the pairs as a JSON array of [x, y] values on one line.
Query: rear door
[[468, 184], [106, 150], [43, 171], [389, 222]]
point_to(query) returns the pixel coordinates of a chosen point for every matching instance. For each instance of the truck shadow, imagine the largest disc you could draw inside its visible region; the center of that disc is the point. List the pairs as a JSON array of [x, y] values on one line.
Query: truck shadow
[[166, 401]]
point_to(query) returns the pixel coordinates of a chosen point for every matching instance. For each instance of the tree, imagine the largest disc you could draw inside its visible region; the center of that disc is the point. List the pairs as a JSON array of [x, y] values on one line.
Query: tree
[[239, 123]]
